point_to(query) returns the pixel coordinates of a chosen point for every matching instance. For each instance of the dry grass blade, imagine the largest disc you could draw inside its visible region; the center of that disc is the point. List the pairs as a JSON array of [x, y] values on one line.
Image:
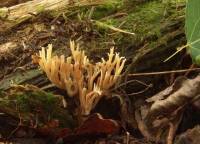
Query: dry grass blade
[[101, 24]]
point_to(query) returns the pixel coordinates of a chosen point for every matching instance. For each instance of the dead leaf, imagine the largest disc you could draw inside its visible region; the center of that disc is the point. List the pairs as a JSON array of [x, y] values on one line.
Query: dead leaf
[[179, 94], [163, 94], [49, 128], [165, 114], [191, 136], [96, 125]]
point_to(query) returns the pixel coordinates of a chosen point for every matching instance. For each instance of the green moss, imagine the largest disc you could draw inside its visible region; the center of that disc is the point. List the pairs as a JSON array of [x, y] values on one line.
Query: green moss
[[143, 20], [111, 6], [33, 103], [3, 13], [40, 8], [140, 20]]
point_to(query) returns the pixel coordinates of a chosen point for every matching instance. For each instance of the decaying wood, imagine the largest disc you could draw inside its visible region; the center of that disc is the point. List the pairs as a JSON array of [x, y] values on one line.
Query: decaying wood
[[147, 56], [19, 78], [12, 16], [27, 103], [182, 92], [191, 136], [6, 3], [168, 105], [7, 48]]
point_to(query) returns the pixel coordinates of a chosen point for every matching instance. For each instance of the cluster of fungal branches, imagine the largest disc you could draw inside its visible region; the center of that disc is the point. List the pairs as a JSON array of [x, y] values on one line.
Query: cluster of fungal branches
[[78, 76]]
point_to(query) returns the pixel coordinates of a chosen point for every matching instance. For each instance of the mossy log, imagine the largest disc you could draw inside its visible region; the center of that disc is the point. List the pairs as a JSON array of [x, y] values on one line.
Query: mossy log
[[23, 104]]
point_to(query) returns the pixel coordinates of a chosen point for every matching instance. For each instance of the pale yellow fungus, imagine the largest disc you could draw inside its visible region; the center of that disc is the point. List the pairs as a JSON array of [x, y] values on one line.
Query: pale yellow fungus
[[78, 76]]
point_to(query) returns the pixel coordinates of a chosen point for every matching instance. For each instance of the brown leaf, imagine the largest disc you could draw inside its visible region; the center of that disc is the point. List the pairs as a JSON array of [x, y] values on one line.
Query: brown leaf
[[182, 92], [191, 136], [63, 133], [48, 129], [165, 113], [165, 93], [96, 125]]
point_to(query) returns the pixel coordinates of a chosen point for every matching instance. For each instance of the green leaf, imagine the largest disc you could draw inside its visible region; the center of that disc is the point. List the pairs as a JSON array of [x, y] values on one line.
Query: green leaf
[[193, 29]]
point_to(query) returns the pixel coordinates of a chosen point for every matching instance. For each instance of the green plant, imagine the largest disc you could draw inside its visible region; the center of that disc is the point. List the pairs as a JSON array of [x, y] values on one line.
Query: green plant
[[192, 28]]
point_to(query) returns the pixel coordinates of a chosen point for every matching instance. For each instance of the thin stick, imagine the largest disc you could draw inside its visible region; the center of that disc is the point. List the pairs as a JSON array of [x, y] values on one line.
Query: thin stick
[[142, 126], [163, 72], [142, 91], [127, 137], [19, 124], [171, 133], [131, 81], [181, 48], [104, 25]]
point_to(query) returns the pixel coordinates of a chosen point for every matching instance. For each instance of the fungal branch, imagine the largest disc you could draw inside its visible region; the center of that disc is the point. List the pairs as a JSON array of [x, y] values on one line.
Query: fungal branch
[[78, 76]]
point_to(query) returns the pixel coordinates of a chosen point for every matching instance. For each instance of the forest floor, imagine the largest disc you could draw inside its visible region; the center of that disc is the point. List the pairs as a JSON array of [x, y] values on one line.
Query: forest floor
[[146, 33]]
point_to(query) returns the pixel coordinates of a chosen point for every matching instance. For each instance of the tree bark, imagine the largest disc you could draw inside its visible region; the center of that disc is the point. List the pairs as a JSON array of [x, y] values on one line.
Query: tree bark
[[14, 15]]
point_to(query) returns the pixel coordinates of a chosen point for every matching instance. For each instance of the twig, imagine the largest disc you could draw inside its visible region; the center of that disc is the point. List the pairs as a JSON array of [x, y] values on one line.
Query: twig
[[128, 82], [101, 24], [118, 28], [173, 126], [127, 137], [163, 72], [180, 49], [191, 67], [114, 15], [135, 93], [47, 86], [141, 126], [142, 91], [91, 12], [170, 136], [19, 124]]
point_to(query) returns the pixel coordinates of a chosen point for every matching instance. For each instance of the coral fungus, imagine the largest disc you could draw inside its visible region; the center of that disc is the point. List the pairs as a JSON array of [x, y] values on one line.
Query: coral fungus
[[78, 76]]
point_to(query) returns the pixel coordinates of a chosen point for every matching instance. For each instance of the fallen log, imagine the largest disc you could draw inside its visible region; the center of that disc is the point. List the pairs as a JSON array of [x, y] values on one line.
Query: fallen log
[[14, 15]]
